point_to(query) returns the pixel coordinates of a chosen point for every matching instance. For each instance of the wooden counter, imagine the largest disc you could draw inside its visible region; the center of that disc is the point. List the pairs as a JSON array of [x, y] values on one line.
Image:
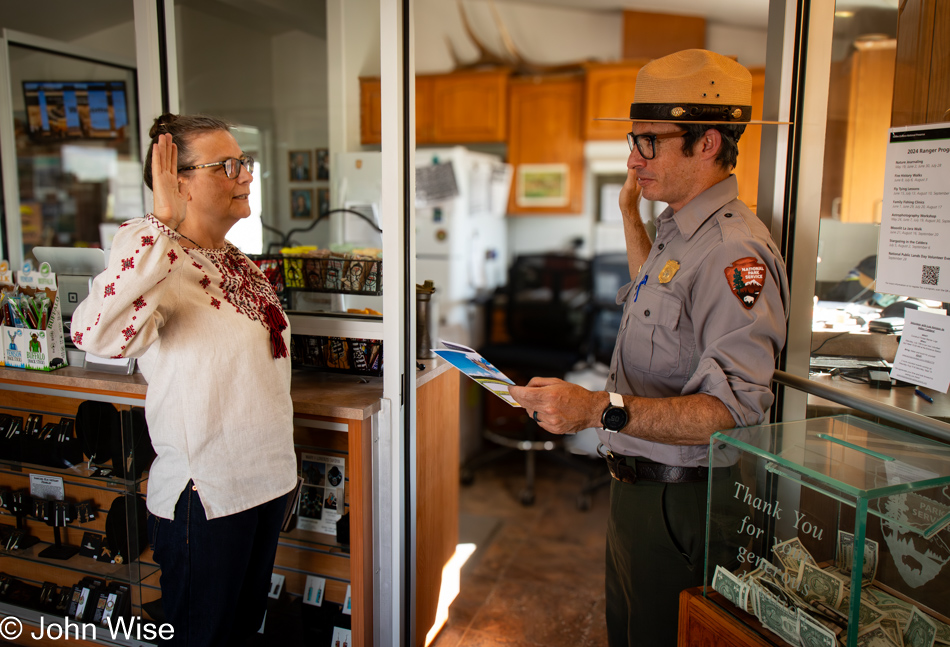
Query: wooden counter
[[334, 414]]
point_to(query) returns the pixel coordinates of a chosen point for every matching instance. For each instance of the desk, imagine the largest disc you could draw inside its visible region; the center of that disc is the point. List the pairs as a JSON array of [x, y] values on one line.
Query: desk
[[902, 397]]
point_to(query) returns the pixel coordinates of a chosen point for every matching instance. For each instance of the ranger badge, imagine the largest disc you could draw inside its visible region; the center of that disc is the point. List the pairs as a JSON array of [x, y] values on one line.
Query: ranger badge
[[666, 274]]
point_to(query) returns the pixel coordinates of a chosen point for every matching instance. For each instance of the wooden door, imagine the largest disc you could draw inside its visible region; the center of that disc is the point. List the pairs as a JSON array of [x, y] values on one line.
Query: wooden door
[[922, 75]]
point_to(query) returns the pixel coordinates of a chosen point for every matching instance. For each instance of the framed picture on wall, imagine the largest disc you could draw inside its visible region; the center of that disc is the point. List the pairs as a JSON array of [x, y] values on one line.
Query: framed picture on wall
[[301, 204], [323, 201], [323, 164], [542, 185], [301, 166]]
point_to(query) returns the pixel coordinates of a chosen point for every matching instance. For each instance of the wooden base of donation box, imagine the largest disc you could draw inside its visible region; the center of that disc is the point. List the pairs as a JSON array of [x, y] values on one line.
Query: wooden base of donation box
[[704, 623]]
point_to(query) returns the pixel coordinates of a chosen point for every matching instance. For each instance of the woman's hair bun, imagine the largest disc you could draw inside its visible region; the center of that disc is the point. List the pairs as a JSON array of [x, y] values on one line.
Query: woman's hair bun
[[161, 125]]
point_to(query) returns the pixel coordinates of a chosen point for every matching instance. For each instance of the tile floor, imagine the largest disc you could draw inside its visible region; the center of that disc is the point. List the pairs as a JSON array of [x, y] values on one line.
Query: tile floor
[[537, 574]]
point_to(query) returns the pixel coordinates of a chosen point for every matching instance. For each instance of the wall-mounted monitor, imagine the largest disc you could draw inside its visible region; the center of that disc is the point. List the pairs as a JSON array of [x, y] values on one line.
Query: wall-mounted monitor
[[76, 109]]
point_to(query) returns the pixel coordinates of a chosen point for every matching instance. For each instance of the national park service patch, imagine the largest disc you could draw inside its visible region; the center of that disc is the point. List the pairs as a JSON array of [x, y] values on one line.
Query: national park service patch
[[746, 278]]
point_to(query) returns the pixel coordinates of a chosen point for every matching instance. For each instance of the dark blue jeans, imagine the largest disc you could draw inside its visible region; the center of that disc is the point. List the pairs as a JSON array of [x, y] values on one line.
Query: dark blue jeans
[[215, 574]]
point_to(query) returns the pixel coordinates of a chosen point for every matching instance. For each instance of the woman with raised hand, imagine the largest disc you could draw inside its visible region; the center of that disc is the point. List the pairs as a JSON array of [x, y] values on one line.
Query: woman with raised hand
[[212, 341]]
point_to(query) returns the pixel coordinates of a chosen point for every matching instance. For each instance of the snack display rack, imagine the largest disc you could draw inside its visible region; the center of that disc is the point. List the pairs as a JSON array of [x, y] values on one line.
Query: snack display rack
[[335, 342], [335, 274]]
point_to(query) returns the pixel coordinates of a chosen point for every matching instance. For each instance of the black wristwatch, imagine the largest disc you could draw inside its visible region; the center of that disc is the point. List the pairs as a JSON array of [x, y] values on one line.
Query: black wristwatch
[[615, 416]]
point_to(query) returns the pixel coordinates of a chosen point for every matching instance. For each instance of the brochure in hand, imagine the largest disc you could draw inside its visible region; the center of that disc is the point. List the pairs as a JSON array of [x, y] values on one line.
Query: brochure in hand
[[478, 368]]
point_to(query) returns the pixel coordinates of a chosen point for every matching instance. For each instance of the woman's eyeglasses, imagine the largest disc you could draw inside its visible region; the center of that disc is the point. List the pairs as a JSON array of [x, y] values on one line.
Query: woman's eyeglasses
[[232, 166], [646, 143]]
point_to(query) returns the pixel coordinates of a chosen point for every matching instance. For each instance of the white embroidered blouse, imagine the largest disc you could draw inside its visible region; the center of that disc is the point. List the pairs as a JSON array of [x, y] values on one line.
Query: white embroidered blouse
[[212, 342]]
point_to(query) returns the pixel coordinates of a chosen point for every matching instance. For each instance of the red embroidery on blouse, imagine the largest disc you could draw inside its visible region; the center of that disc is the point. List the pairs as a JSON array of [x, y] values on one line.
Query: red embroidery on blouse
[[98, 316], [128, 263], [196, 264], [172, 256], [77, 338], [129, 333], [118, 356], [109, 291], [139, 303], [205, 282], [148, 240], [215, 303]]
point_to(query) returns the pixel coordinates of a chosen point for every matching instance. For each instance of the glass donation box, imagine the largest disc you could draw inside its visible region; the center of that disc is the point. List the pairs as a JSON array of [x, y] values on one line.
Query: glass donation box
[[789, 505]]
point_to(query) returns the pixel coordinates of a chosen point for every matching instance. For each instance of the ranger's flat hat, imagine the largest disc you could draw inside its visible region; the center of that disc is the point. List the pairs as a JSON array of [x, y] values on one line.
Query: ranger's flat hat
[[693, 86]]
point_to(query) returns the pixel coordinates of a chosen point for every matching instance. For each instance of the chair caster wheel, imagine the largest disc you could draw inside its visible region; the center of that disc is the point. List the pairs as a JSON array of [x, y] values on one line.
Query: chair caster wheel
[[584, 502], [526, 497], [466, 476]]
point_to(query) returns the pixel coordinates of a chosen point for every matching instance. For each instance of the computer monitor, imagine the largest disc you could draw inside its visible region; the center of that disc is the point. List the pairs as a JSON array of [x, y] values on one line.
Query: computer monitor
[[74, 267]]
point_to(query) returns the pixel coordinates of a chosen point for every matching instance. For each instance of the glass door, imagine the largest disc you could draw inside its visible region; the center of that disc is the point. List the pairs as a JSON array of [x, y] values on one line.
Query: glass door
[[856, 326], [75, 131]]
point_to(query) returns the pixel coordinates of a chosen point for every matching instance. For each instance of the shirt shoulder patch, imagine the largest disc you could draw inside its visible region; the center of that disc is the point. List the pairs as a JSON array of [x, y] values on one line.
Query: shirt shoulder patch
[[746, 278]]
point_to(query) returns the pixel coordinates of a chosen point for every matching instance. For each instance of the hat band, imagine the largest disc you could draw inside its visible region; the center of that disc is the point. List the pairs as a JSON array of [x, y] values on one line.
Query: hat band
[[690, 112]]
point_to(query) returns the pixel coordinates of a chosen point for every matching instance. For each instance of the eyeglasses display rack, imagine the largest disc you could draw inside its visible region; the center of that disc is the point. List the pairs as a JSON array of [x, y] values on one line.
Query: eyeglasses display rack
[[66, 466]]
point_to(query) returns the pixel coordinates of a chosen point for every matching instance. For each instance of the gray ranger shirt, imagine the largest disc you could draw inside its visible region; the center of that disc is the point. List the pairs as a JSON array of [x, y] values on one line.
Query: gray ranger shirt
[[706, 314]]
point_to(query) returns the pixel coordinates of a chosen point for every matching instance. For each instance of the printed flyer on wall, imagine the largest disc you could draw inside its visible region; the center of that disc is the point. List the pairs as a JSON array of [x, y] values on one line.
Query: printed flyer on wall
[[478, 368], [321, 495], [915, 225]]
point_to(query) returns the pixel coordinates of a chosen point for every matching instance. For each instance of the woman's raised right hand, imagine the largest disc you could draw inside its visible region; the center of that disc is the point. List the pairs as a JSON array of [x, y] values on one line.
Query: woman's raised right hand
[[171, 199]]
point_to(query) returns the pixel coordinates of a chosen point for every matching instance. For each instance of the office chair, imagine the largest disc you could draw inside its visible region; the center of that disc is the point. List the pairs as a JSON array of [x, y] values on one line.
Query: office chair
[[609, 272], [546, 310]]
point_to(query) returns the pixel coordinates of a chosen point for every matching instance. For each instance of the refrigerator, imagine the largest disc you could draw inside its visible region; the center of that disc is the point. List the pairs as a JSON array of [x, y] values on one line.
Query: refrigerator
[[461, 235]]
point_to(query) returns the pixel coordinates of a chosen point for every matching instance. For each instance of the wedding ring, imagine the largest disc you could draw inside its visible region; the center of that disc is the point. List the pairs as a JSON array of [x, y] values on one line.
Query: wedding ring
[[535, 416]]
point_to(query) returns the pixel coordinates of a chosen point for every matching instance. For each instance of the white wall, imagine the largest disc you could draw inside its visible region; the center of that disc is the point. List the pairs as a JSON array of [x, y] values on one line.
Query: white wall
[[540, 34], [301, 114]]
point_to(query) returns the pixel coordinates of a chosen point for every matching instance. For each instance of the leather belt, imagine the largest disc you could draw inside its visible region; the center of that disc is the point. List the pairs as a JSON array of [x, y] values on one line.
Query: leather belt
[[629, 469]]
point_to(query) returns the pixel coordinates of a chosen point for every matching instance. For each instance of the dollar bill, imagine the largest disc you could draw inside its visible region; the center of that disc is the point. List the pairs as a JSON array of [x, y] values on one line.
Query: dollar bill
[[815, 584], [868, 614], [814, 634], [844, 556], [778, 618], [920, 630], [728, 585], [943, 632], [874, 636], [791, 554], [893, 629]]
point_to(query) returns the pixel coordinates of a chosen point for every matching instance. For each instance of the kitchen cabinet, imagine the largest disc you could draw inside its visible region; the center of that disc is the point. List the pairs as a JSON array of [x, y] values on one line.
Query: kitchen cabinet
[[747, 166], [455, 108], [608, 92], [545, 144]]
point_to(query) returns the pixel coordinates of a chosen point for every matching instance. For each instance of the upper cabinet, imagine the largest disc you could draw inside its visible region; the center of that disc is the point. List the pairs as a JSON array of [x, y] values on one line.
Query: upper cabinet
[[545, 144], [608, 92], [922, 77], [371, 111], [456, 108]]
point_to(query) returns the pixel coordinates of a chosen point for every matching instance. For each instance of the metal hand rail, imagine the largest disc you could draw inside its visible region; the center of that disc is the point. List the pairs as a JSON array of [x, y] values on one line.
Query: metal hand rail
[[922, 424]]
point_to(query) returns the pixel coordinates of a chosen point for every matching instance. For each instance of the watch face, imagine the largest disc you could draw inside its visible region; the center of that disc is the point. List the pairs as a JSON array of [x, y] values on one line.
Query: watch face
[[615, 418]]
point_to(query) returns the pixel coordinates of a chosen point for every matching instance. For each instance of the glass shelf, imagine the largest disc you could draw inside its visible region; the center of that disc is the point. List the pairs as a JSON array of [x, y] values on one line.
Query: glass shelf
[[85, 565], [317, 540], [82, 471]]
